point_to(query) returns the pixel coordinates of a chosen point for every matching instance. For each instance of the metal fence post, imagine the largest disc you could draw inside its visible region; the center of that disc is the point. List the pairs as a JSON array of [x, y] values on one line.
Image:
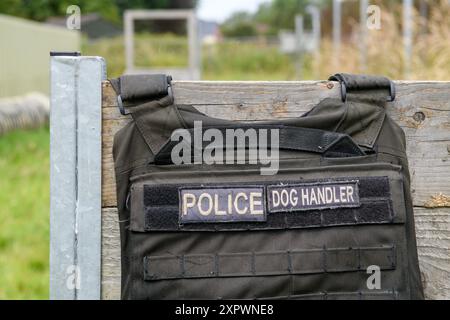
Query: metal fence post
[[75, 176]]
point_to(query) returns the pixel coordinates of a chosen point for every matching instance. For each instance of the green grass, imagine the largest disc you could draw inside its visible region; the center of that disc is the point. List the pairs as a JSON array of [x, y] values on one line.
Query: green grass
[[24, 212], [229, 60], [246, 61], [165, 50]]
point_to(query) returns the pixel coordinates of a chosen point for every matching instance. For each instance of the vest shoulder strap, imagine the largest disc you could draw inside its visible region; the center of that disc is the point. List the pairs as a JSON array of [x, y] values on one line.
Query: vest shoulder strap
[[377, 87]]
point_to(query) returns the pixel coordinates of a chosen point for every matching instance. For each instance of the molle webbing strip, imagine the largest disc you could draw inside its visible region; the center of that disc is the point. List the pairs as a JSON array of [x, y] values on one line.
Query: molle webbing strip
[[161, 210], [249, 264], [360, 295]]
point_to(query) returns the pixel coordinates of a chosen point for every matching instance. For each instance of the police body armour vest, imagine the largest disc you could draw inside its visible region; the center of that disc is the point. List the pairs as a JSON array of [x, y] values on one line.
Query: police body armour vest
[[337, 212]]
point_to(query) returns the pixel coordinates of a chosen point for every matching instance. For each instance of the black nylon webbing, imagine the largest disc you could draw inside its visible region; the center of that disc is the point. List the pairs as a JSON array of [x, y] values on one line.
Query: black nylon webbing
[[141, 86], [376, 88], [250, 264], [290, 138], [355, 82]]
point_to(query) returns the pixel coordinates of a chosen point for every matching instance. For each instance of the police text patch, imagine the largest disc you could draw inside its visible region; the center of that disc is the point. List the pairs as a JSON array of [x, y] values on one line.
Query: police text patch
[[222, 204], [310, 196]]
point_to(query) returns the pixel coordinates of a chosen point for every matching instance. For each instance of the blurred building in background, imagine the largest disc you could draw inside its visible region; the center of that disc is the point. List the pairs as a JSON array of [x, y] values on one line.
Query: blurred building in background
[[93, 26], [209, 31], [24, 54]]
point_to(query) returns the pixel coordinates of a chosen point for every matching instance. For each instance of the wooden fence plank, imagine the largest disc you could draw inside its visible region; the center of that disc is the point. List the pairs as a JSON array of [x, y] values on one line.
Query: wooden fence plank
[[110, 254], [422, 109]]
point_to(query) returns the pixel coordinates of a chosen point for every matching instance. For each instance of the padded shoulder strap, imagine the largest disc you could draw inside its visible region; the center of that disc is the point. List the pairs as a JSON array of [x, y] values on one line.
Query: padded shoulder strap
[[148, 98], [365, 97], [141, 86], [375, 86]]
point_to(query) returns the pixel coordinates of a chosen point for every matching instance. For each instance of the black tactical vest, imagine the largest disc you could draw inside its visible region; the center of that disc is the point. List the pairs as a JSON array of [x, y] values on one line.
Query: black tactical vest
[[335, 221]]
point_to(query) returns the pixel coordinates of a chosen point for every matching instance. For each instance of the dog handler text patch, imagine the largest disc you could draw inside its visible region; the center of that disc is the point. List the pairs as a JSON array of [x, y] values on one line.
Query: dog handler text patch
[[222, 204], [309, 196]]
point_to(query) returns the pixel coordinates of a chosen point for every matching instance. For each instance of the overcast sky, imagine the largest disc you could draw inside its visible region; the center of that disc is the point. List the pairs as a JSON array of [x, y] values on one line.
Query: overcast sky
[[219, 10]]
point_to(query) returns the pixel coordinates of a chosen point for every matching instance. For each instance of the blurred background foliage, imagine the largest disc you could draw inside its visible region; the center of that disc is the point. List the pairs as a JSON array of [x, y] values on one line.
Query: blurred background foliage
[[112, 10], [270, 18], [253, 54]]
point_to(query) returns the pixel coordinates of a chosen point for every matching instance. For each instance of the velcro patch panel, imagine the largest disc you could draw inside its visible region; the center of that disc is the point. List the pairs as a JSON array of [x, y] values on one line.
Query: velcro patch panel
[[267, 206]]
